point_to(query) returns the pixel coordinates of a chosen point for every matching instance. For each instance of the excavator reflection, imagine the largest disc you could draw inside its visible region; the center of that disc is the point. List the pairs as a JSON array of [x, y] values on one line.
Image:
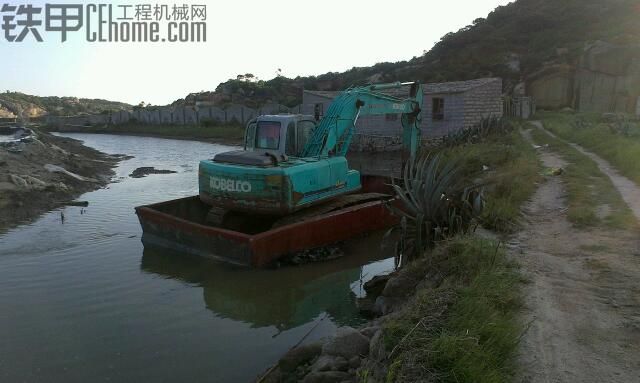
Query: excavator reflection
[[283, 298]]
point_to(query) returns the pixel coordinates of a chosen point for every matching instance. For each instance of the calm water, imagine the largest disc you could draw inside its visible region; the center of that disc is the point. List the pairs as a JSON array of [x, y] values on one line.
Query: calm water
[[84, 301]]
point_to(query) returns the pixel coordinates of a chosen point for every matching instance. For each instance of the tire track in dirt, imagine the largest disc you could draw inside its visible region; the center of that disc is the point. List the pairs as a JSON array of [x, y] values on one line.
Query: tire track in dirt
[[629, 191], [583, 299]]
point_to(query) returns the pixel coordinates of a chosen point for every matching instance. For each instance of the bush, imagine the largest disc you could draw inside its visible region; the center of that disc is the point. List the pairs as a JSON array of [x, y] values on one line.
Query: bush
[[437, 204]]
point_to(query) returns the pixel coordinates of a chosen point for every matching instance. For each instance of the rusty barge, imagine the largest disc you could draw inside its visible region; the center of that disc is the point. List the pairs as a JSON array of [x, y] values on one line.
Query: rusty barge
[[181, 225]]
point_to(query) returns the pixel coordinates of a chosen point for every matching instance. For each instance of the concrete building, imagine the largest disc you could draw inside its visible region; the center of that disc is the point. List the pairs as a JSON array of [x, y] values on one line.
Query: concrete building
[[446, 107]]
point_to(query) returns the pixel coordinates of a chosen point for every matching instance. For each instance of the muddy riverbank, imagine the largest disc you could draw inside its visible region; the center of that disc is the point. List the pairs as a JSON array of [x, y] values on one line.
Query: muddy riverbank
[[40, 172]]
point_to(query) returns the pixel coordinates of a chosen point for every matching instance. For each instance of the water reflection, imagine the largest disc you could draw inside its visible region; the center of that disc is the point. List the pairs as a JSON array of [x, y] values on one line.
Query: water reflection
[[283, 298]]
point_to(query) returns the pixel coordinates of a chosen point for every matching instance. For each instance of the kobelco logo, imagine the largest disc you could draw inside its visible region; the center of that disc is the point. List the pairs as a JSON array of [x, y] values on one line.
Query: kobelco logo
[[223, 184]]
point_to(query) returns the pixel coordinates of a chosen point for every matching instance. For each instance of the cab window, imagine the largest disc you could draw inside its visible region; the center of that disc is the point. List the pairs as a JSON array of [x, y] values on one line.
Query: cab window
[[250, 137], [290, 149], [268, 135], [305, 128]]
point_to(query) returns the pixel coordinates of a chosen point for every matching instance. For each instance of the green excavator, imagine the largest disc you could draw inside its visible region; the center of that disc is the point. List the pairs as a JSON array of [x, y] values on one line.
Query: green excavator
[[291, 162]]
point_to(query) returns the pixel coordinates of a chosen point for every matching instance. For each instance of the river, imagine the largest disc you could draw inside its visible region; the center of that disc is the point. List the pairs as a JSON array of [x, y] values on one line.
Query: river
[[81, 300]]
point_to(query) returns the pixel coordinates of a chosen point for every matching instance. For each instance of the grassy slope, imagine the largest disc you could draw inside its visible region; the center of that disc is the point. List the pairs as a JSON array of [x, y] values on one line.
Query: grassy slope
[[464, 330], [63, 106], [620, 148], [587, 188], [514, 172]]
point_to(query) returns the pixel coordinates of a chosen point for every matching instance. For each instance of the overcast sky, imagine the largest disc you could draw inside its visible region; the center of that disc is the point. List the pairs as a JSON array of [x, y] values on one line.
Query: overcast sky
[[298, 36]]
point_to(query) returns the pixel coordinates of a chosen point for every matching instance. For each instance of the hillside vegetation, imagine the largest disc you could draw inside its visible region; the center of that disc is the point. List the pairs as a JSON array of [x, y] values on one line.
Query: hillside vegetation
[[20, 104], [512, 42]]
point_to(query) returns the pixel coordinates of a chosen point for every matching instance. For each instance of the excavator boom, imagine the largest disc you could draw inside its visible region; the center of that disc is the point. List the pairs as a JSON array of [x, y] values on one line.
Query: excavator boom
[[333, 134]]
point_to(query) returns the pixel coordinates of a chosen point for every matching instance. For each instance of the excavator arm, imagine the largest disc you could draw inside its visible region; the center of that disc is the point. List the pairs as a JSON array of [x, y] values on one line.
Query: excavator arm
[[333, 134]]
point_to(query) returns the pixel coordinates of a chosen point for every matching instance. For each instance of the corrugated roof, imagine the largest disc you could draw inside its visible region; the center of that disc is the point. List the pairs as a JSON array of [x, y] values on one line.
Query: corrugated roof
[[430, 88]]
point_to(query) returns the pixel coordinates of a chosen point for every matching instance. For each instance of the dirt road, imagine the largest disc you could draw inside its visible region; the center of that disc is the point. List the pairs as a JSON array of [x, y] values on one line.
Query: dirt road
[[583, 299]]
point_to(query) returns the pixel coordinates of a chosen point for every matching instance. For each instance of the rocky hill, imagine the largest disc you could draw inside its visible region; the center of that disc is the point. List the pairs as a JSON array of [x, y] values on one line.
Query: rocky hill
[[515, 42], [15, 104]]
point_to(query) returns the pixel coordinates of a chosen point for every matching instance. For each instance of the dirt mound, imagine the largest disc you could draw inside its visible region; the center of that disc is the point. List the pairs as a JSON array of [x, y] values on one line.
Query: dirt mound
[[39, 171]]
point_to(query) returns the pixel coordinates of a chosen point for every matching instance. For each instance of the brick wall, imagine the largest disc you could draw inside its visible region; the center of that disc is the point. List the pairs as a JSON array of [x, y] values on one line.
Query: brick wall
[[483, 101], [453, 119]]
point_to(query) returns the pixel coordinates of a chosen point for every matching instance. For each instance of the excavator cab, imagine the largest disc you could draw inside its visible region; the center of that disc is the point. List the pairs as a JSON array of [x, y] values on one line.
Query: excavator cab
[[271, 139], [284, 135]]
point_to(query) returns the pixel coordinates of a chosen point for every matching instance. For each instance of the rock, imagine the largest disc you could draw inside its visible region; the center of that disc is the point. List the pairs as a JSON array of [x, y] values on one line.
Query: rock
[[366, 306], [330, 363], [319, 254], [385, 305], [61, 186], [347, 343], [15, 148], [375, 286], [35, 183], [354, 362], [403, 284], [59, 169], [327, 377], [19, 181], [369, 332], [299, 355], [376, 348], [27, 182], [610, 117], [519, 90], [272, 376], [77, 203], [146, 170]]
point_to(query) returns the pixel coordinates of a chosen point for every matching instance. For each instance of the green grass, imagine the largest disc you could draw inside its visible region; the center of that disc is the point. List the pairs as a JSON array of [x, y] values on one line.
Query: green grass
[[616, 142], [233, 133], [464, 330], [587, 188], [513, 175]]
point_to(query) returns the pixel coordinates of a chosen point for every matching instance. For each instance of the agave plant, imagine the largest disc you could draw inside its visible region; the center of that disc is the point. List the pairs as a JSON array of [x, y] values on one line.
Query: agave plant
[[487, 126], [436, 205]]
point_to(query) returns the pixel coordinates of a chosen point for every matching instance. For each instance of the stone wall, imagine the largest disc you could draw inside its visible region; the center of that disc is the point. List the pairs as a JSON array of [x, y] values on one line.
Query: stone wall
[[233, 113], [552, 87], [482, 102], [606, 78]]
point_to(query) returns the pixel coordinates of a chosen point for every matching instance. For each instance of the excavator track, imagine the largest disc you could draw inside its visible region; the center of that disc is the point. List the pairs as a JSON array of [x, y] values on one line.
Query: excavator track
[[330, 206]]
